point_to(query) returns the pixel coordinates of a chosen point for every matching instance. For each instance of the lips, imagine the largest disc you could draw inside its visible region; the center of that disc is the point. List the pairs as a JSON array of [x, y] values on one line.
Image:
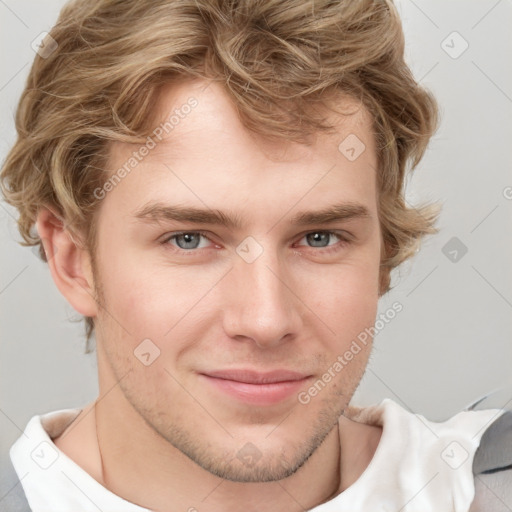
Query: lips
[[262, 388], [254, 377]]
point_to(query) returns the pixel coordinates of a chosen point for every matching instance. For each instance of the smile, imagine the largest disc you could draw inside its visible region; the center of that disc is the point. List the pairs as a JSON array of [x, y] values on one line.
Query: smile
[[258, 388]]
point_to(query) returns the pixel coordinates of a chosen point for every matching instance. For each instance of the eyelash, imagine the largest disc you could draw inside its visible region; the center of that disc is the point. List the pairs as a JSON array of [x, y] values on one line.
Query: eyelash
[[342, 243]]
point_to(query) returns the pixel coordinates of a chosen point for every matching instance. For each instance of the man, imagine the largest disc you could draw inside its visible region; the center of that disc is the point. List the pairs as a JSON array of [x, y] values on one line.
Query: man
[[217, 187]]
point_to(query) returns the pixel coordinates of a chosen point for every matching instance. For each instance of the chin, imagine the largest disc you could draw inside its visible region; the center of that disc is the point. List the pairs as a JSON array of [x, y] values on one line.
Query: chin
[[251, 466], [253, 461]]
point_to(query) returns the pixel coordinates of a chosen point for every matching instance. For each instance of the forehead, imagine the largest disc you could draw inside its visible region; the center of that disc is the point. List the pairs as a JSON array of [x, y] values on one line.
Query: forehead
[[199, 107], [201, 149]]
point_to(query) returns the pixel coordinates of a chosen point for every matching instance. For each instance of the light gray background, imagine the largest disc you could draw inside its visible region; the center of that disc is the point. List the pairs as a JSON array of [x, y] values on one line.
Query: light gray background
[[451, 343]]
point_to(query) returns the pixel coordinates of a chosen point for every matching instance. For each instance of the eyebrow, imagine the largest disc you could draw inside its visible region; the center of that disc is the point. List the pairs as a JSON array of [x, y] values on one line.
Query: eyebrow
[[157, 212]]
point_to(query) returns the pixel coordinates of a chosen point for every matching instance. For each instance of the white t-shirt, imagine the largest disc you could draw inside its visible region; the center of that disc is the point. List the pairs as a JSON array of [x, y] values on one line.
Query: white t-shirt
[[419, 465]]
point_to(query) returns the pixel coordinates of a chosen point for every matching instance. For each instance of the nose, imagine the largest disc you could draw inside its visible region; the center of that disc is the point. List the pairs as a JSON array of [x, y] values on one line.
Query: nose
[[261, 305]]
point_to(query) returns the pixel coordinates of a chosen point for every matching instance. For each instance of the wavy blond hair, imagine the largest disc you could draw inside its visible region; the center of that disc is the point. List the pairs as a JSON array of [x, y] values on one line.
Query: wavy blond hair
[[279, 60]]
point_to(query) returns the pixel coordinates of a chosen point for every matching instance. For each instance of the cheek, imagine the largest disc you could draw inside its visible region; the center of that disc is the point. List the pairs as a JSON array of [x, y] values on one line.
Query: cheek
[[147, 304], [346, 294], [347, 303], [155, 300]]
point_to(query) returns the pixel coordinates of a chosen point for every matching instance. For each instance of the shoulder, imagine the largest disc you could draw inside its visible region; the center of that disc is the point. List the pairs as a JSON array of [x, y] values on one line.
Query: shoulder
[[12, 495], [492, 468], [16, 464]]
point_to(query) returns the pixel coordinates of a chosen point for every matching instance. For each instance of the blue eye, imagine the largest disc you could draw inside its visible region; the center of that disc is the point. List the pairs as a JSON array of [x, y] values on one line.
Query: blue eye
[[187, 240], [318, 238], [190, 241]]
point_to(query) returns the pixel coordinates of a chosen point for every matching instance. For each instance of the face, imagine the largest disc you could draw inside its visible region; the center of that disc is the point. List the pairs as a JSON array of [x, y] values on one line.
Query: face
[[228, 338]]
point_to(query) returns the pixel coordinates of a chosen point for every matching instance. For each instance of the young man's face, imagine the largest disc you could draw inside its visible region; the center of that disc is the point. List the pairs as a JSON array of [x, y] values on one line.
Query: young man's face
[[232, 308]]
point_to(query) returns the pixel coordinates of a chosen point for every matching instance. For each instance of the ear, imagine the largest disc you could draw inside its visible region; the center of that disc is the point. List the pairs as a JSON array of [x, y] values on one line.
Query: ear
[[384, 280], [384, 270], [68, 261]]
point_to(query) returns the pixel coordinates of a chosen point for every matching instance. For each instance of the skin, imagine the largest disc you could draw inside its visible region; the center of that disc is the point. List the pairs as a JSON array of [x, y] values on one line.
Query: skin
[[167, 435]]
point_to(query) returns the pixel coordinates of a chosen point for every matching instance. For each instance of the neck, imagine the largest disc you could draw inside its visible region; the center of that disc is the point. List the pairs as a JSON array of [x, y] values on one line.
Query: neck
[[143, 468]]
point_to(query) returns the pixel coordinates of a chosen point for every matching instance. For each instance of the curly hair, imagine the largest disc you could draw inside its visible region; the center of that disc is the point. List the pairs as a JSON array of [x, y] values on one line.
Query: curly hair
[[278, 60]]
